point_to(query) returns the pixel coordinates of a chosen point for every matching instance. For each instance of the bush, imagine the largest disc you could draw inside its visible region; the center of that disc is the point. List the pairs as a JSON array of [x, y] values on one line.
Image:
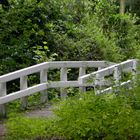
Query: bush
[[85, 117], [98, 117]]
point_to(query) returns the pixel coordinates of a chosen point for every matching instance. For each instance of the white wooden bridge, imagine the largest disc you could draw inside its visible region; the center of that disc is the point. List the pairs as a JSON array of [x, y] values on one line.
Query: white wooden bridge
[[99, 79]]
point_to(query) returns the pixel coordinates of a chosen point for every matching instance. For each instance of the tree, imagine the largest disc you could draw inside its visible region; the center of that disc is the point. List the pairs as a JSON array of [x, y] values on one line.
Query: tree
[[122, 6], [5, 4]]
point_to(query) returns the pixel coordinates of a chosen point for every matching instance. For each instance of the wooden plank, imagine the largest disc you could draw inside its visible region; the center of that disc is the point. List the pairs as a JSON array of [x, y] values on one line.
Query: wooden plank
[[107, 71], [63, 84], [22, 93], [23, 72], [3, 92], [43, 79], [24, 85], [63, 77], [110, 89], [77, 64], [117, 75], [82, 71], [51, 65], [37, 88]]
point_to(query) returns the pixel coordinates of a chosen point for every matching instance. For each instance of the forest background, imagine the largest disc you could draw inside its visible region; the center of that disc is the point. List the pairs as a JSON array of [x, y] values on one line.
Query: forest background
[[33, 31]]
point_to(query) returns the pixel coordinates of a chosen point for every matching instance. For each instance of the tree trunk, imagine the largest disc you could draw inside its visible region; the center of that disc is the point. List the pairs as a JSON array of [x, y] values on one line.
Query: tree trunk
[[122, 6]]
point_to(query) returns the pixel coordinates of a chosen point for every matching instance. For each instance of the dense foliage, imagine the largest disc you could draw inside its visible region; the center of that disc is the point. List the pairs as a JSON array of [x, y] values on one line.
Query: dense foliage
[[33, 31], [72, 29], [85, 117]]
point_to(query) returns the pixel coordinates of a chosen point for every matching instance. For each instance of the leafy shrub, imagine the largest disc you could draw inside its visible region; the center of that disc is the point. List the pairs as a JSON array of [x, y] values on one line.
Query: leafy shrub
[[85, 117], [97, 117]]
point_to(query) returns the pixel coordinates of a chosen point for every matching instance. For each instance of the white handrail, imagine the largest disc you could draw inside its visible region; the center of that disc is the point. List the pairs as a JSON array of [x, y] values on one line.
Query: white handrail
[[116, 69], [124, 66], [104, 69], [52, 65]]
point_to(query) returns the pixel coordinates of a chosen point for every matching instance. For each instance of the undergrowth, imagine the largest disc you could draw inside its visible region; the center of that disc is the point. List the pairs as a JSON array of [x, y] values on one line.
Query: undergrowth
[[84, 117]]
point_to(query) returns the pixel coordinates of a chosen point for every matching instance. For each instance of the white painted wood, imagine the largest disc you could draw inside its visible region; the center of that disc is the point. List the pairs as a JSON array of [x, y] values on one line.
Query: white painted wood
[[24, 85], [3, 93], [99, 78], [108, 70], [117, 75], [22, 93], [110, 89], [43, 79], [63, 84], [52, 65], [82, 71], [37, 88], [134, 71], [23, 72], [82, 81], [63, 77], [98, 81]]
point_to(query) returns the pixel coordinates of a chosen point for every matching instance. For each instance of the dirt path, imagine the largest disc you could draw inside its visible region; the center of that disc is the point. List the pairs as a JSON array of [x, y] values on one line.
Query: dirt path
[[40, 112], [2, 131]]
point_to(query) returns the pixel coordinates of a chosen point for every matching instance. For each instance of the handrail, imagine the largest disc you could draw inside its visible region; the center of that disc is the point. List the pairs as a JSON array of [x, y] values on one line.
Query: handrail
[[52, 65], [116, 70], [104, 69], [43, 69], [124, 66]]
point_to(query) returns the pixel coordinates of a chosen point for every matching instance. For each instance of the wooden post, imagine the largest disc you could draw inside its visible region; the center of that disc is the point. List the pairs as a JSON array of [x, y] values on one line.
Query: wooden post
[[23, 85], [134, 71], [98, 77], [82, 71], [97, 82], [43, 79], [3, 92], [63, 77], [117, 77]]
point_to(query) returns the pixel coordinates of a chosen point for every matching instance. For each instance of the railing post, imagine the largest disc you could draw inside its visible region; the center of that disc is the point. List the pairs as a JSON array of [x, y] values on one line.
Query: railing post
[[63, 77], [3, 92], [98, 81], [134, 71], [23, 85], [117, 77], [43, 79], [82, 71], [98, 77]]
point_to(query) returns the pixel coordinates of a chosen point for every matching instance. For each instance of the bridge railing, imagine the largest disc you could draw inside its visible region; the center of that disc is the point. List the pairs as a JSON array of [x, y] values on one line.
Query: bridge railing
[[115, 70], [43, 69]]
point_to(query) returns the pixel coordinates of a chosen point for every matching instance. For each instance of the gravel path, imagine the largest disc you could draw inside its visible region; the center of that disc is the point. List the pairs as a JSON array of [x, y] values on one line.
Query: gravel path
[[42, 112]]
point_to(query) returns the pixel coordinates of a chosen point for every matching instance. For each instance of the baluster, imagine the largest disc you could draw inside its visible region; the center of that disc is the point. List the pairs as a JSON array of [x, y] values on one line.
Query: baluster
[[3, 92], [23, 85], [43, 79], [117, 77], [134, 71], [63, 77], [98, 81], [82, 71]]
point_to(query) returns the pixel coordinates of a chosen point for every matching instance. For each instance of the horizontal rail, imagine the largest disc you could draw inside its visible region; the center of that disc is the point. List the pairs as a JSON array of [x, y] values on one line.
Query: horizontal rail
[[52, 65], [41, 87], [110, 89], [124, 66]]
